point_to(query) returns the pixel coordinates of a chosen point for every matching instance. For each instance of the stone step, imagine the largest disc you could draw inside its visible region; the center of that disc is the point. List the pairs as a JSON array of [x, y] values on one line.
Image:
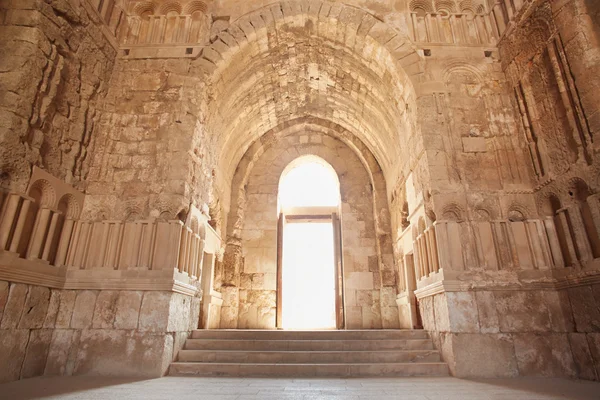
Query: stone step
[[314, 357], [309, 370], [383, 334], [309, 345]]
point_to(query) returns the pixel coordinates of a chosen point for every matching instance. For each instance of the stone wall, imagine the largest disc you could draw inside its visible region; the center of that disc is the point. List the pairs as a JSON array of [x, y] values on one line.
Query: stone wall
[[517, 332], [152, 159], [57, 59], [47, 331], [368, 273]]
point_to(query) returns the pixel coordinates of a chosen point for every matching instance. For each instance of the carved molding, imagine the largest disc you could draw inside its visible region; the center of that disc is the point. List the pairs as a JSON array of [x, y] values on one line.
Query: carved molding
[[568, 282], [32, 272]]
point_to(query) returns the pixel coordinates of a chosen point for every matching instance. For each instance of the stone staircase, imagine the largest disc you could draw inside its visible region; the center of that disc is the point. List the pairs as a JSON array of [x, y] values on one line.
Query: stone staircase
[[309, 353]]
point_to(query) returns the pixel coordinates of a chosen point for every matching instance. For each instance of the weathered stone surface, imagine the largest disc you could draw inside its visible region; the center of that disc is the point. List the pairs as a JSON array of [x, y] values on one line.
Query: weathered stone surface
[[37, 353], [194, 316], [522, 312], [63, 351], [123, 353], [4, 289], [594, 346], [486, 309], [427, 308], [83, 311], [53, 309], [154, 312], [465, 146], [439, 313], [483, 355], [105, 310], [462, 312], [36, 307], [544, 355], [65, 309], [128, 309], [582, 357], [559, 308], [179, 312], [586, 311], [14, 306], [13, 344]]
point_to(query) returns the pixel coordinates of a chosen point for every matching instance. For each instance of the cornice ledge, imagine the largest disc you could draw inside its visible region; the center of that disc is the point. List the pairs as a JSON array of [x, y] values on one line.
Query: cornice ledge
[[464, 286], [55, 278]]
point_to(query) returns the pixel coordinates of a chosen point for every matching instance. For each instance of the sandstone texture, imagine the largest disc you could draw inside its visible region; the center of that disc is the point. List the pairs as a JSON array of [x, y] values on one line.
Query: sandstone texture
[[108, 336], [142, 144]]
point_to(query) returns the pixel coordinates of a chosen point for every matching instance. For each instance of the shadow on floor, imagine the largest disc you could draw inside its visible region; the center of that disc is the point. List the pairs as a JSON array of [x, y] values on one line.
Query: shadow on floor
[[47, 386], [571, 389]]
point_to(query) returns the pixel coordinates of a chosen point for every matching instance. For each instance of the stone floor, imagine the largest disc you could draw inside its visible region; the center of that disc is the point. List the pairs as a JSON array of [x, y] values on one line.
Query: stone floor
[[183, 388]]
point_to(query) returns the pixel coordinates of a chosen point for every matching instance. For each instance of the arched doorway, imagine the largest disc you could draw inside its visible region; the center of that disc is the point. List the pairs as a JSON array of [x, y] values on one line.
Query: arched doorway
[[309, 264]]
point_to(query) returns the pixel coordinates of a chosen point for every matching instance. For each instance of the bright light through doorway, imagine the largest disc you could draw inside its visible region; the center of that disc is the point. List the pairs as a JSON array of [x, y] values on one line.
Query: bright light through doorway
[[308, 295], [309, 184], [308, 265]]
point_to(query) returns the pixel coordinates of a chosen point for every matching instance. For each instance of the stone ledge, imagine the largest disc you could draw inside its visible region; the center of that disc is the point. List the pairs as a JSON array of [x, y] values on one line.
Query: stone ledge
[[567, 282], [37, 273]]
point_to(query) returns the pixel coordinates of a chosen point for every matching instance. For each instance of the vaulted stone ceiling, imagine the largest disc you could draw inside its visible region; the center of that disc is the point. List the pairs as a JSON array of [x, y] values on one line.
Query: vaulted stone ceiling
[[280, 63]]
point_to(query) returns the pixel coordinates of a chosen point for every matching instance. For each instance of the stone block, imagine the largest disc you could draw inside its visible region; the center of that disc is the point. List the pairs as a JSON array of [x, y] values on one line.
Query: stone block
[[354, 318], [522, 311], [483, 355], [593, 340], [14, 306], [53, 307], [63, 352], [248, 317], [36, 307], [462, 312], [231, 296], [123, 353], [154, 312], [390, 317], [105, 310], [544, 355], [486, 309], [65, 309], [265, 318], [426, 308], [364, 298], [4, 289], [582, 356], [83, 311], [195, 308], [371, 318], [37, 353], [127, 310], [13, 344], [440, 313], [359, 280], [388, 297], [179, 312], [559, 309], [229, 317], [586, 312], [474, 144]]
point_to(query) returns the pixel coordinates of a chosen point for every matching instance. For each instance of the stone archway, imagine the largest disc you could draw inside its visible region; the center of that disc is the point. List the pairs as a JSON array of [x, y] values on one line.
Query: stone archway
[[249, 284]]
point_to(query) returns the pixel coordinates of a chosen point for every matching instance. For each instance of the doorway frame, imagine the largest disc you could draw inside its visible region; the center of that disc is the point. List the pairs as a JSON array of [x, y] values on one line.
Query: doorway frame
[[307, 215]]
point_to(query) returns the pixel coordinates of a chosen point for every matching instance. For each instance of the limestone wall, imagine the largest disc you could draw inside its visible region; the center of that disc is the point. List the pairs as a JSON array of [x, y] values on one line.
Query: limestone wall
[[106, 297], [517, 332], [47, 331], [150, 162], [57, 59], [369, 276]]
